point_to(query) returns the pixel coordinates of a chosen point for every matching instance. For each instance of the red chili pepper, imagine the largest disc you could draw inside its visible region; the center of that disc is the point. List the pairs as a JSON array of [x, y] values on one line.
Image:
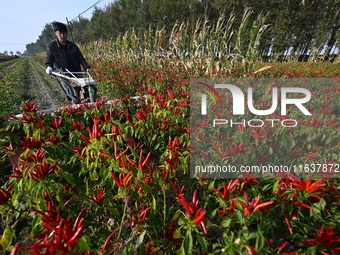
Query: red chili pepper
[[251, 249], [193, 210], [130, 160], [56, 121], [4, 194], [123, 179], [42, 170], [77, 125], [288, 225], [282, 246], [254, 204], [106, 244], [104, 154], [121, 154], [199, 216], [142, 163], [98, 196], [107, 116], [85, 138], [226, 189]]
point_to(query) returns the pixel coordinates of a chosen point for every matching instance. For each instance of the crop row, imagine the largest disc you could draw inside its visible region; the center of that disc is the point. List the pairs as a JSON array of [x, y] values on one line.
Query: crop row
[[13, 85], [114, 179]]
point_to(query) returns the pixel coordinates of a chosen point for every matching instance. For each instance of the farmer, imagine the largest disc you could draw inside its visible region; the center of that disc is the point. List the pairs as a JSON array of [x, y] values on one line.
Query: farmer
[[66, 56]]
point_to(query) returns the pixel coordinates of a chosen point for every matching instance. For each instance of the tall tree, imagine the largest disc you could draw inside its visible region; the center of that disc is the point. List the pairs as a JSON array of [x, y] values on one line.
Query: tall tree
[[299, 26]]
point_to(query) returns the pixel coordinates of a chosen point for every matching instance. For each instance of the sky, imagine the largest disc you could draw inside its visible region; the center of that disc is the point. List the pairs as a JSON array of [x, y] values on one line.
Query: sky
[[22, 21]]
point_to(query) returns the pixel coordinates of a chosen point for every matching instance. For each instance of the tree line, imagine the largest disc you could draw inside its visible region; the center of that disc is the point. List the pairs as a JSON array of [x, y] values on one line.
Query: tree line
[[292, 27]]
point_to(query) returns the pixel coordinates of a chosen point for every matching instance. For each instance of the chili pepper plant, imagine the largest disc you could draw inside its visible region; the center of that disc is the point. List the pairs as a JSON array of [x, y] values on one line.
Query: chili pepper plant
[[113, 178]]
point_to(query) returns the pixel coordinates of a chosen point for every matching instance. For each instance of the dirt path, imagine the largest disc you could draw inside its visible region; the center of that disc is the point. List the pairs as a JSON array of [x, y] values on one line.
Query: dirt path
[[45, 90], [46, 99]]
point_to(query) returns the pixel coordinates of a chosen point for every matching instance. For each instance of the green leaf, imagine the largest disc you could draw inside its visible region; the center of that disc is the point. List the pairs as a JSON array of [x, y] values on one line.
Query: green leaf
[[154, 203], [177, 234], [275, 186], [259, 241], [225, 223], [140, 240], [177, 214], [7, 237], [69, 178], [262, 69], [180, 251], [239, 216], [202, 242], [114, 211], [270, 150], [93, 175], [35, 225], [84, 243], [317, 208], [211, 184], [187, 243], [146, 188]]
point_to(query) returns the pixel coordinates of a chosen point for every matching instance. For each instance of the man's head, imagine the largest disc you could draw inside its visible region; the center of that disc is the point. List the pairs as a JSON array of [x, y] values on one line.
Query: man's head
[[60, 30], [58, 26]]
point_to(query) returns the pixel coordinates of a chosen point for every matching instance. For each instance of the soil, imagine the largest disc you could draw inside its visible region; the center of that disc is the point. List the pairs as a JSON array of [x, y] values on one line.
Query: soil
[[44, 89]]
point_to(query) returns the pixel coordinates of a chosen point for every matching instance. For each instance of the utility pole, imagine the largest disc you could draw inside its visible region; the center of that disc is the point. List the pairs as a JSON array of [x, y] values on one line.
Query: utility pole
[[69, 22], [69, 25]]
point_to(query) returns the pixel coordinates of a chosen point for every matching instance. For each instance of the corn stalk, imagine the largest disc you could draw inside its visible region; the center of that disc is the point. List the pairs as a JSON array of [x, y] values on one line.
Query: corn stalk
[[204, 47], [248, 39]]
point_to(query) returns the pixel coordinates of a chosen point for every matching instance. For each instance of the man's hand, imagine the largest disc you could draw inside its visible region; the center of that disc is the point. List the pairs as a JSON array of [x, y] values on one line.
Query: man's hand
[[49, 70], [88, 71]]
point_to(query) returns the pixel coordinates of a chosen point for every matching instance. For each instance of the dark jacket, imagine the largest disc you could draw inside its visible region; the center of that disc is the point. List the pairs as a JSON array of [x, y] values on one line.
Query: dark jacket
[[65, 57]]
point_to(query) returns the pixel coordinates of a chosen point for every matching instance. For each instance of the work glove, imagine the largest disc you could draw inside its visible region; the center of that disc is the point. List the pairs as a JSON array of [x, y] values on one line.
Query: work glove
[[49, 70]]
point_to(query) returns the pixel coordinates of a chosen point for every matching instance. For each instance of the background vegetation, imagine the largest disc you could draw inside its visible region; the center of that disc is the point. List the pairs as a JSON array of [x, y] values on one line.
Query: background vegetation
[[295, 27]]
